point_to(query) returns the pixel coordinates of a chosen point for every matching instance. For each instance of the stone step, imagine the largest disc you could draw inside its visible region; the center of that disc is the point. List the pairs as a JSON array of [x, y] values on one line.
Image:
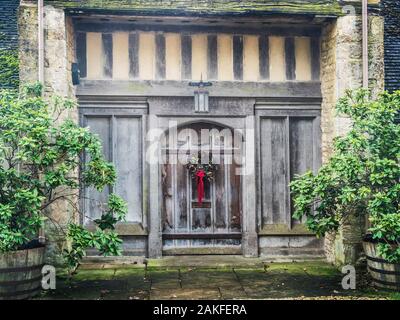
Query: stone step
[[200, 261]]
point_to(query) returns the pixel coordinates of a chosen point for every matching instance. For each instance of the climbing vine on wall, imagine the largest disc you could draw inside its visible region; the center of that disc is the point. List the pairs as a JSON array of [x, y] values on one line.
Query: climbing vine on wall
[[9, 66], [9, 63]]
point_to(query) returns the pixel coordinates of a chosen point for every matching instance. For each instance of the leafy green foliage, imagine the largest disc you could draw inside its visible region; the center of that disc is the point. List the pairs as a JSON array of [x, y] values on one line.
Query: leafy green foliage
[[362, 177], [9, 68], [41, 165]]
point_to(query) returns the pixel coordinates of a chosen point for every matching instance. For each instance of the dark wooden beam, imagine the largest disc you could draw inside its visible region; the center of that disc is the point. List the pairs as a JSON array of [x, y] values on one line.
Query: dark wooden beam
[[169, 88], [133, 55], [186, 52], [315, 58], [289, 31], [160, 56], [290, 59], [238, 57], [212, 72], [81, 53], [263, 46], [107, 55]]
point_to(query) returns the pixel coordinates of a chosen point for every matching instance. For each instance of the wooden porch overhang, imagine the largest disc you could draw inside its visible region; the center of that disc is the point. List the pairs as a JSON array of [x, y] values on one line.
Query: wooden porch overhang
[[204, 7]]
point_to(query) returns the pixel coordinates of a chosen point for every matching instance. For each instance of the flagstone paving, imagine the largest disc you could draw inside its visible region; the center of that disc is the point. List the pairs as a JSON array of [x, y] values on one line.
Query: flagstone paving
[[305, 280]]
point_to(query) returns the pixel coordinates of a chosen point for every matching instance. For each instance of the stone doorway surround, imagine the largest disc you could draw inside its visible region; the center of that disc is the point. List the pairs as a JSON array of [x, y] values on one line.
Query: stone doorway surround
[[226, 112]]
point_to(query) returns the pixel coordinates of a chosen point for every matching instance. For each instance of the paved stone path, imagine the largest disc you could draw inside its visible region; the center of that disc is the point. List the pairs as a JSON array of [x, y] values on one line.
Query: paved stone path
[[313, 280]]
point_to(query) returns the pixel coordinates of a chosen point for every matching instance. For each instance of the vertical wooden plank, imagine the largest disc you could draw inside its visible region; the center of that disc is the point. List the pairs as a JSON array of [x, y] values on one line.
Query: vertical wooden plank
[[133, 55], [107, 41], [264, 57], [146, 55], [279, 162], [186, 50], [220, 197], [290, 59], [199, 56], [266, 171], [225, 57], [160, 56], [235, 198], [120, 55], [173, 56], [273, 170], [212, 57], [128, 164], [181, 198], [94, 54], [167, 198], [301, 147], [81, 53], [277, 59], [287, 174], [317, 149], [238, 57], [251, 62], [95, 200], [303, 59], [315, 58]]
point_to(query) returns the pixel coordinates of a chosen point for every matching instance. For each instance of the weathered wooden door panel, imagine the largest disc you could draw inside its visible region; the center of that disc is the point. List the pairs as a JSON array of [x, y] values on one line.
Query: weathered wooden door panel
[[289, 145], [302, 149], [234, 200], [274, 168], [93, 198], [191, 227], [121, 138], [128, 164]]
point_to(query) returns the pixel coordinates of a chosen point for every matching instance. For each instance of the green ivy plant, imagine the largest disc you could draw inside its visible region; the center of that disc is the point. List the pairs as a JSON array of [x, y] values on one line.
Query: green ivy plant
[[362, 178], [41, 165], [9, 67]]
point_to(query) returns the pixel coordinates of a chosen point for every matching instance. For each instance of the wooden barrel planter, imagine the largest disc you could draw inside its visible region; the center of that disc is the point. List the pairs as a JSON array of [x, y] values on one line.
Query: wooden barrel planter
[[21, 273], [385, 274]]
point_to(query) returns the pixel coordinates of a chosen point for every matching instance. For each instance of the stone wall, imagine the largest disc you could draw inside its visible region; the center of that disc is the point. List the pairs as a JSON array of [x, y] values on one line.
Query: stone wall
[[328, 89], [58, 56], [341, 69], [376, 52], [28, 43]]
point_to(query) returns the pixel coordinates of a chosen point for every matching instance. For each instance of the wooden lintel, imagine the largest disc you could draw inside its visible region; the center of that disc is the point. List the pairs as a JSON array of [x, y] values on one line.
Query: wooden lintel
[[168, 88]]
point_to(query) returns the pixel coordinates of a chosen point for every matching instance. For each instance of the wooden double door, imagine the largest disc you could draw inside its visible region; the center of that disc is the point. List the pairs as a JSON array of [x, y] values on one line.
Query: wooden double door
[[214, 225]]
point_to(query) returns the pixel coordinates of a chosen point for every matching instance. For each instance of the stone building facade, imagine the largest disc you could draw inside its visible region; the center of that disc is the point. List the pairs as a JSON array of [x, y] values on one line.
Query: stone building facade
[[276, 69]]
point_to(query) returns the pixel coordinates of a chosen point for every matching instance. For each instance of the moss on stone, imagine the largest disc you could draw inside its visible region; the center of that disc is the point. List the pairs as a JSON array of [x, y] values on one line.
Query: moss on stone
[[206, 7], [99, 274], [316, 268]]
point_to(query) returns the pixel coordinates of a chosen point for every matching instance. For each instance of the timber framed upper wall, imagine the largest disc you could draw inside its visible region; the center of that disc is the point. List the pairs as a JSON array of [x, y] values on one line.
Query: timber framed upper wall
[[203, 7]]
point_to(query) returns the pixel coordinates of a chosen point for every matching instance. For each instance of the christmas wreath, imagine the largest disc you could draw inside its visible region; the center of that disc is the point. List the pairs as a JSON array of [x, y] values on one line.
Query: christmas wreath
[[201, 171]]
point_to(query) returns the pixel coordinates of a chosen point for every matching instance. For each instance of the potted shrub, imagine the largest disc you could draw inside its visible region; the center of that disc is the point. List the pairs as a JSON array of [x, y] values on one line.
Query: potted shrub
[[362, 178], [40, 165]]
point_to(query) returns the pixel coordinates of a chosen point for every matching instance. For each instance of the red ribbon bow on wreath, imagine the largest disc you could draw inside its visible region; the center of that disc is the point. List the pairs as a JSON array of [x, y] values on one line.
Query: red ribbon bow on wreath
[[200, 174]]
